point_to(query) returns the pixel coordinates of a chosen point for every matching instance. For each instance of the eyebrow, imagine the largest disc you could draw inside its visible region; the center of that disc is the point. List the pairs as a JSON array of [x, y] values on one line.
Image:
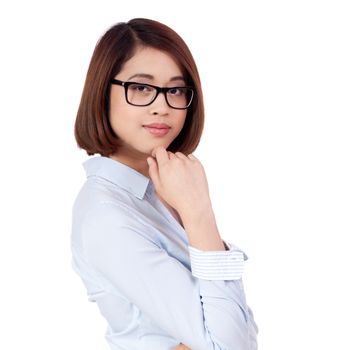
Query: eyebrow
[[151, 77]]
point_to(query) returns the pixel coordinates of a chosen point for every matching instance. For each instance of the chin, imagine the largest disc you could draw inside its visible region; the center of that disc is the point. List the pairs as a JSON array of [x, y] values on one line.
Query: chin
[[164, 144]]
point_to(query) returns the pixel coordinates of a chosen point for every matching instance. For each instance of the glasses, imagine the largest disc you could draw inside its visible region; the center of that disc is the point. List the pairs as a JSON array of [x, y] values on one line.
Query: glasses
[[139, 94]]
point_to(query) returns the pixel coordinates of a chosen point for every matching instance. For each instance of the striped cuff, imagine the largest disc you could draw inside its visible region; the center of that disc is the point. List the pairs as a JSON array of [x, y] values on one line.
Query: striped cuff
[[217, 265]]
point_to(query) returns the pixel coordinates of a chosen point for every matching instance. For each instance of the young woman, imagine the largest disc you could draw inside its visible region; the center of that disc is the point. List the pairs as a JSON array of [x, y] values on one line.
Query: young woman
[[144, 236]]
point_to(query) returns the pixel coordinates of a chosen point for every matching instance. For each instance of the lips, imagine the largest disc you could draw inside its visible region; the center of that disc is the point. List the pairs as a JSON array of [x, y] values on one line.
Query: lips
[[157, 129], [157, 126]]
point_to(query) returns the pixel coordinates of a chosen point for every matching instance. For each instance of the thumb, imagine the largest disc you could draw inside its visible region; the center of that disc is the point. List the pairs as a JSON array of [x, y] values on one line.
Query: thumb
[[153, 171]]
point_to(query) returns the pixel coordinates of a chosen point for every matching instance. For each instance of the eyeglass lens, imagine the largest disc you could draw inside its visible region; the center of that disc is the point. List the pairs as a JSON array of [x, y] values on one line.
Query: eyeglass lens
[[140, 95]]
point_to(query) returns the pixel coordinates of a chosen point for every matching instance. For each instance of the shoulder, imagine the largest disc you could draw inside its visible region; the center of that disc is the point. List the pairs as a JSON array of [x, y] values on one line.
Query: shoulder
[[98, 199], [114, 221]]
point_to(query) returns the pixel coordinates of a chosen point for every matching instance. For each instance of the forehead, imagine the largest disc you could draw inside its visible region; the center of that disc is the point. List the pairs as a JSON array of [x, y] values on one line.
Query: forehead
[[152, 61]]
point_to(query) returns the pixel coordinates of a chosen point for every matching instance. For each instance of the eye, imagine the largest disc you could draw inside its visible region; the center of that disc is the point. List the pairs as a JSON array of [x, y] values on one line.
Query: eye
[[141, 88], [176, 91]]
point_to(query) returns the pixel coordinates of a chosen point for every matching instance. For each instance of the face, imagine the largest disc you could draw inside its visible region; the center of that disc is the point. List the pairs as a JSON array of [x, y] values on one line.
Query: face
[[147, 66]]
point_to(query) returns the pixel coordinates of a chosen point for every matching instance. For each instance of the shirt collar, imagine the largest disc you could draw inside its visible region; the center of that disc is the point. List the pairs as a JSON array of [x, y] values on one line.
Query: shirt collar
[[119, 174]]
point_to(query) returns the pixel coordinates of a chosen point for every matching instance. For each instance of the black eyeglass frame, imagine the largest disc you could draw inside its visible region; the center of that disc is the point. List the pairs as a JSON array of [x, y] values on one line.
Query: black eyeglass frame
[[158, 89]]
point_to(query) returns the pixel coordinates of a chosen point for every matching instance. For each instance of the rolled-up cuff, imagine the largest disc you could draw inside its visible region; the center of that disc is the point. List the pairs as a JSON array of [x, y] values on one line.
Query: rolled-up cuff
[[217, 265]]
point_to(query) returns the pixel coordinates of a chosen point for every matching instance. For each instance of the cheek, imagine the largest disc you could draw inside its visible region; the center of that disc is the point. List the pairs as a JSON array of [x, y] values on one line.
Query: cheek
[[118, 111], [117, 104], [114, 117], [119, 120], [124, 121]]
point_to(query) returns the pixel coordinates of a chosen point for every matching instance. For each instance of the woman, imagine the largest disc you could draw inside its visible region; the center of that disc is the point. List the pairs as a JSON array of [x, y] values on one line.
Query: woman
[[144, 236]]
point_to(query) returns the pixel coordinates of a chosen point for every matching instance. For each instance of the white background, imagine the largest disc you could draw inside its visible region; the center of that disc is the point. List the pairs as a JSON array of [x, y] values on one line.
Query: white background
[[276, 80]]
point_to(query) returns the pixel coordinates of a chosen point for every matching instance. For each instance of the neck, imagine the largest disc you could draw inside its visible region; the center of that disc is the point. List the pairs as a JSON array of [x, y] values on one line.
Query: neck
[[138, 163]]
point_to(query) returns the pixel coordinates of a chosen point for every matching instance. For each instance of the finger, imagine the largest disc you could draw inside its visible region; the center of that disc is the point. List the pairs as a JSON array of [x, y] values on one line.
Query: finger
[[161, 155], [157, 150], [192, 157], [171, 155], [180, 155], [153, 171]]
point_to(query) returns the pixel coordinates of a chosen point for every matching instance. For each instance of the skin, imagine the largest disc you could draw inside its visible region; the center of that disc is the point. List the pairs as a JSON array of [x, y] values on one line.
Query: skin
[[138, 144], [179, 180], [127, 121], [181, 347]]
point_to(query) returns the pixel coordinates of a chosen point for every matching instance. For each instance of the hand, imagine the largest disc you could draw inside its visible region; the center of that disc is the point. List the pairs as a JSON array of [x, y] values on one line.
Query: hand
[[179, 180], [181, 347]]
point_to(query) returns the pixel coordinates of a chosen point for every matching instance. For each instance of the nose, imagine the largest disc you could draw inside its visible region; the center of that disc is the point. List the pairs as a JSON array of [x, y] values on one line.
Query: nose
[[159, 105]]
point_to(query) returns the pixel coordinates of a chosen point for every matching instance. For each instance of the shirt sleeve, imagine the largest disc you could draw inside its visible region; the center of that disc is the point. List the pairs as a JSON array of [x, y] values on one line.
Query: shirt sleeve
[[217, 265], [200, 313]]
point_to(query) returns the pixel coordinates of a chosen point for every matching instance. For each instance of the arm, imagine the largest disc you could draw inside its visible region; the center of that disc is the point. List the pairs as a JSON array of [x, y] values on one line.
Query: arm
[[200, 226], [203, 314], [181, 347]]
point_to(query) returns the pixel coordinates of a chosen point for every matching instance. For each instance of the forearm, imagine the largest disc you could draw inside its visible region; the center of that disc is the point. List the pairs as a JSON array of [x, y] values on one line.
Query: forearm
[[200, 226], [224, 308]]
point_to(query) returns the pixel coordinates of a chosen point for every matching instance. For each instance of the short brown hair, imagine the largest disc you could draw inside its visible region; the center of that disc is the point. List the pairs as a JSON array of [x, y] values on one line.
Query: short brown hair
[[93, 131]]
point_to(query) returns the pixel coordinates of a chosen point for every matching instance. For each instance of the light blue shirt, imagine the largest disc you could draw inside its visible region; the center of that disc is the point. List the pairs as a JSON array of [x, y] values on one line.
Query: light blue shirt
[[154, 290]]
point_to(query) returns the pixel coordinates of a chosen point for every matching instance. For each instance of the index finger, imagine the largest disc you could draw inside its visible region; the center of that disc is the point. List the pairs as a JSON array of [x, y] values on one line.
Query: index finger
[[160, 154]]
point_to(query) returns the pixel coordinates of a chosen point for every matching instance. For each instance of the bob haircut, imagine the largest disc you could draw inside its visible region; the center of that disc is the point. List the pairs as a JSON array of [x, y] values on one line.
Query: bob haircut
[[92, 129]]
